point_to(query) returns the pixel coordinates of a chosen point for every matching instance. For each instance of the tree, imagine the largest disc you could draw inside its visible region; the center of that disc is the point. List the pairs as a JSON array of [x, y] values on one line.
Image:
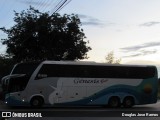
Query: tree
[[111, 59], [39, 36]]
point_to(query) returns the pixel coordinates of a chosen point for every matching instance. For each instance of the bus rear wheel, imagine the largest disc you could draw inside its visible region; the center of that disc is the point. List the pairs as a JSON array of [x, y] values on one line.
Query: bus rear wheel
[[114, 102], [128, 102], [37, 102]]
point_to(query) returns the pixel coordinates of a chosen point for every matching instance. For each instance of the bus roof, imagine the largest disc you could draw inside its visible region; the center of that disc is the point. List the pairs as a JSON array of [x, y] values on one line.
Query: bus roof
[[92, 63]]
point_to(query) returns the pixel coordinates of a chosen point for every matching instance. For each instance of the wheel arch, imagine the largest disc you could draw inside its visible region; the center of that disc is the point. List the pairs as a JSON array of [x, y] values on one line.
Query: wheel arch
[[122, 96], [36, 95], [114, 101], [130, 96], [128, 101]]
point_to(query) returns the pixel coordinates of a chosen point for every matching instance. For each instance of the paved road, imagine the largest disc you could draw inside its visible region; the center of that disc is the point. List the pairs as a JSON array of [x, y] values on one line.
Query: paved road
[[89, 113]]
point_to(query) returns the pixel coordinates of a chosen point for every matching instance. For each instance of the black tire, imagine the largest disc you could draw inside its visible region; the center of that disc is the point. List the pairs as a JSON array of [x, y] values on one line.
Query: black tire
[[37, 102], [114, 102], [128, 102]]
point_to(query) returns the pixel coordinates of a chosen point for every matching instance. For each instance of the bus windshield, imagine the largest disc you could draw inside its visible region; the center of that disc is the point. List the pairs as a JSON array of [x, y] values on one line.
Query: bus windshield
[[19, 77], [17, 83]]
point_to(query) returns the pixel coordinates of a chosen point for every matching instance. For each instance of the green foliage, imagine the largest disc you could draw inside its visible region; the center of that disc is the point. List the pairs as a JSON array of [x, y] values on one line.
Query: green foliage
[[111, 59], [38, 36]]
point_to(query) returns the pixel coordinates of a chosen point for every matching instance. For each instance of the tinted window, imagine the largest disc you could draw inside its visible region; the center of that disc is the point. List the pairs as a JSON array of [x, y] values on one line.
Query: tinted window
[[91, 71], [62, 71], [18, 84], [25, 68]]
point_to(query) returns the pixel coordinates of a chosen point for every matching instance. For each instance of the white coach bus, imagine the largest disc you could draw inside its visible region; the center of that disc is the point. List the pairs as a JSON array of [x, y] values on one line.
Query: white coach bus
[[59, 83]]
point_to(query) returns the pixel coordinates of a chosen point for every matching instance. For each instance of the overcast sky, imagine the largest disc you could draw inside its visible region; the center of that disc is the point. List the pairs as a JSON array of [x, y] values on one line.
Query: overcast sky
[[130, 28]]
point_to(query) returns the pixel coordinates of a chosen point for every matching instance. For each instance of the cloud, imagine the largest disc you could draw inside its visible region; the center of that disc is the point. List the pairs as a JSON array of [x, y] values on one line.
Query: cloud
[[92, 23], [132, 55], [88, 20], [141, 53], [149, 24], [83, 16], [148, 52], [140, 50], [141, 46]]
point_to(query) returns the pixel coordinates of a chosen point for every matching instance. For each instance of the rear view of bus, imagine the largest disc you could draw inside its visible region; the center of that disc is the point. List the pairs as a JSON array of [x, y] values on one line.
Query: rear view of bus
[[143, 88]]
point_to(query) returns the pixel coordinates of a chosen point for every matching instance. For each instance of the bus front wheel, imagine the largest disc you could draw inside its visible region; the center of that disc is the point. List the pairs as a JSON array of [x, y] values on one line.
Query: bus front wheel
[[114, 102], [128, 102], [36, 101]]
